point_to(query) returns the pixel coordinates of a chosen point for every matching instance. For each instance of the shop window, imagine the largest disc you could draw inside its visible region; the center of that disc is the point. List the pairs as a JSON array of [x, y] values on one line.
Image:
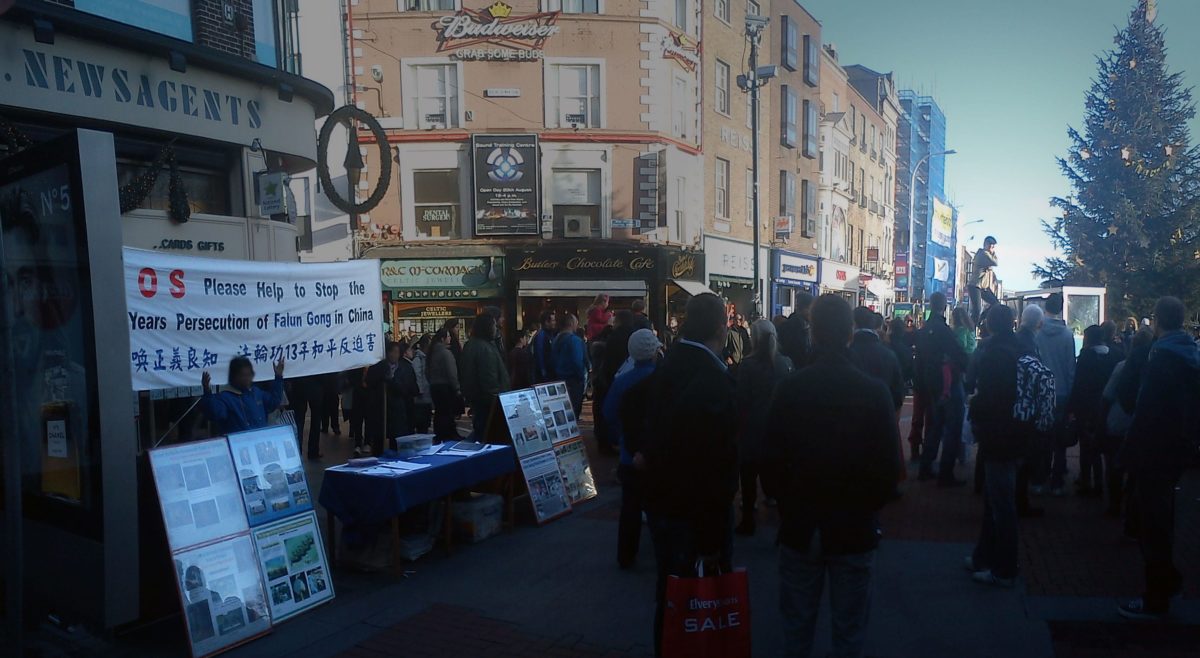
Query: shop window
[[575, 6], [208, 190], [787, 194], [790, 57], [722, 86], [788, 117], [812, 64], [721, 11], [682, 15], [573, 95], [808, 208], [682, 106], [752, 9], [435, 95], [722, 189], [575, 196], [437, 204]]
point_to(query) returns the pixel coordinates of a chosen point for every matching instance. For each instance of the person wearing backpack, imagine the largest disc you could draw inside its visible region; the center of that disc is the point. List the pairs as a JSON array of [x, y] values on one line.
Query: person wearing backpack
[[1014, 395], [1162, 442], [940, 353]]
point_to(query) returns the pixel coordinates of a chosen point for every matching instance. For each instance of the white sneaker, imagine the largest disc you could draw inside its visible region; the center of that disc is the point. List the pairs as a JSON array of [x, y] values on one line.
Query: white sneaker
[[989, 578]]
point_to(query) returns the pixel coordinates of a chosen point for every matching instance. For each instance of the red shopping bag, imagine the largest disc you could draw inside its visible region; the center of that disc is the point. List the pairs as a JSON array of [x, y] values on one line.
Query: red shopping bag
[[707, 617]]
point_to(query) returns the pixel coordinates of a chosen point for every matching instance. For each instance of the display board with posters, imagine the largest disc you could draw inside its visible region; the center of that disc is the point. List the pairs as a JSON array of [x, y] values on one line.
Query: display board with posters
[[568, 443], [557, 410], [188, 314], [507, 193], [198, 492], [526, 424], [546, 489], [270, 473], [293, 563], [222, 594]]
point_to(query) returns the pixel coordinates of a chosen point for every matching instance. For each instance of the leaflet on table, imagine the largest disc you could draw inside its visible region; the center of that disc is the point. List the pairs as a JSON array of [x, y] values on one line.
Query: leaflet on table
[[546, 490], [293, 560], [270, 473], [526, 424], [576, 471], [220, 587], [557, 411], [198, 492], [455, 451]]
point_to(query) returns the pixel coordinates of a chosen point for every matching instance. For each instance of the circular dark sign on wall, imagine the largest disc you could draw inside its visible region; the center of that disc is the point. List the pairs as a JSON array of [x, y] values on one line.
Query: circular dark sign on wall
[[351, 116]]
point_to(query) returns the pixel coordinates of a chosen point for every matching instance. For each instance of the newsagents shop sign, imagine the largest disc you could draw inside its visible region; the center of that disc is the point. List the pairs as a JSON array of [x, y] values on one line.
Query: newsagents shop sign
[[82, 78]]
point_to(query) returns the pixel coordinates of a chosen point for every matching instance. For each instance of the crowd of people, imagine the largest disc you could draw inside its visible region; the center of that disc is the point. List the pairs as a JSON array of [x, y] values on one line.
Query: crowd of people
[[803, 413]]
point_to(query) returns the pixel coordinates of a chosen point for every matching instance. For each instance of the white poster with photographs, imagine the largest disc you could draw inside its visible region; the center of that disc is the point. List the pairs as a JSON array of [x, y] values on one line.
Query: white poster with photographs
[[576, 471], [293, 562], [522, 414], [221, 590], [270, 473], [198, 492], [546, 490], [557, 411]]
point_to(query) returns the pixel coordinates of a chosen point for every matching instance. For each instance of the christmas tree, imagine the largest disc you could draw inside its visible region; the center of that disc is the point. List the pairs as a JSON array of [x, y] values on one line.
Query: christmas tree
[[1132, 222]]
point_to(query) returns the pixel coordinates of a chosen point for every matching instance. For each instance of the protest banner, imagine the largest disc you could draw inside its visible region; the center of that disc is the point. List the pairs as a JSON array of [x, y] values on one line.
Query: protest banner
[[188, 314]]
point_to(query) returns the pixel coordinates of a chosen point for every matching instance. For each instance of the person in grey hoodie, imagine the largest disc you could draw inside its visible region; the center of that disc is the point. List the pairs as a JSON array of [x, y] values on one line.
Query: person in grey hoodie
[[1056, 348]]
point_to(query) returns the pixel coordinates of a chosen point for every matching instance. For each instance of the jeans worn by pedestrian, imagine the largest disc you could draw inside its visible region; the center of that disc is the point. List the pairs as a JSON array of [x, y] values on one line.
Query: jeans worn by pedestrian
[[675, 553], [801, 583], [1153, 503], [575, 388], [1055, 459], [997, 547], [944, 430], [975, 304]]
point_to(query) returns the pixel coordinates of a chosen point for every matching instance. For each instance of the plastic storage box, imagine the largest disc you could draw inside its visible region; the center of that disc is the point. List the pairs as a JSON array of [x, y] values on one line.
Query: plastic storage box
[[413, 444], [478, 518]]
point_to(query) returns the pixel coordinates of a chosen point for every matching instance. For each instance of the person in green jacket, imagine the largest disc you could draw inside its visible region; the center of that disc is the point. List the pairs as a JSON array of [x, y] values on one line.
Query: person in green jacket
[[964, 331], [483, 373]]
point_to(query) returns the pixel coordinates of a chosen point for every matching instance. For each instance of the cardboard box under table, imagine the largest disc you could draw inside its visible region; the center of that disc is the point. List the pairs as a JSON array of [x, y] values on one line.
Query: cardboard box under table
[[369, 496]]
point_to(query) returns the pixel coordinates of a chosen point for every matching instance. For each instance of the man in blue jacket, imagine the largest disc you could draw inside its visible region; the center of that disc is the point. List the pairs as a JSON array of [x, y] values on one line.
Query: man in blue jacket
[[1161, 443], [243, 406], [643, 349], [570, 361]]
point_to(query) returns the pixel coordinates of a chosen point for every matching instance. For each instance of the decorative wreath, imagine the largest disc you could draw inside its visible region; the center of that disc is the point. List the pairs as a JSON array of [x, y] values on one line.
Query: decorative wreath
[[349, 114]]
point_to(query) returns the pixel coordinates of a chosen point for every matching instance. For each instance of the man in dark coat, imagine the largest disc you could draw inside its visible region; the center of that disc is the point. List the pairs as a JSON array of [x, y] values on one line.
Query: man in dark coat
[[307, 399], [875, 358], [794, 340], [938, 351], [690, 452], [391, 386], [831, 461], [1162, 441]]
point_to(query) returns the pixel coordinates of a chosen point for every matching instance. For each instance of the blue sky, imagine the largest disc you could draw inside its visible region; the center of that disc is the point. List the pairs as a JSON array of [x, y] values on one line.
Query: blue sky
[[1010, 76]]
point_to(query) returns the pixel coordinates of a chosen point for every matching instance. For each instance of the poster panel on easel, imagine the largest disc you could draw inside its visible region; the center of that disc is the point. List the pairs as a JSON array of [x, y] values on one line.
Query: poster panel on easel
[[526, 426], [293, 561], [198, 492], [545, 483], [576, 471], [270, 474], [557, 411], [221, 590]]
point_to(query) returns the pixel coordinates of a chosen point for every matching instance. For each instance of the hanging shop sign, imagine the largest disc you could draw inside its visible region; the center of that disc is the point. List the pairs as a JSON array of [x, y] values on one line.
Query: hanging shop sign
[[187, 315], [942, 229], [494, 34], [795, 268], [681, 48], [507, 190], [901, 271], [598, 263], [682, 265], [783, 227], [440, 276], [839, 276]]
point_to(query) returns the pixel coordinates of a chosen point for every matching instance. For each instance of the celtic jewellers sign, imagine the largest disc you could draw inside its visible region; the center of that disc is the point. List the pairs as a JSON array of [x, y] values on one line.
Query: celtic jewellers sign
[[495, 34]]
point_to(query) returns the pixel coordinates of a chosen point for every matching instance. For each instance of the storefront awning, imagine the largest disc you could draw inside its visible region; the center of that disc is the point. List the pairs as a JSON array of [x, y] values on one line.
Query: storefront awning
[[692, 288], [553, 288]]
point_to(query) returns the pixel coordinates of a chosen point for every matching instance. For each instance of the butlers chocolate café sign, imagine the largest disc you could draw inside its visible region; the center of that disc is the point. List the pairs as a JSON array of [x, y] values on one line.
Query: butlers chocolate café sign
[[649, 264], [494, 34]]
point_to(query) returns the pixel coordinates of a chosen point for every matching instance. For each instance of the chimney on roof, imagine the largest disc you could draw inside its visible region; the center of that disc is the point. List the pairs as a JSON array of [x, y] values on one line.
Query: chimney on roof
[[831, 48]]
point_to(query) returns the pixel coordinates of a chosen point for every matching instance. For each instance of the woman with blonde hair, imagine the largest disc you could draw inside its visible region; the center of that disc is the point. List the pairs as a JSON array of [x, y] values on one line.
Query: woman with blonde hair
[[757, 377]]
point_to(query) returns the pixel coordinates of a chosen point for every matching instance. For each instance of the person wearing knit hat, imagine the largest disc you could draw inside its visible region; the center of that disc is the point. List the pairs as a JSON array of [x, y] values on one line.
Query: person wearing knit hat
[[643, 354]]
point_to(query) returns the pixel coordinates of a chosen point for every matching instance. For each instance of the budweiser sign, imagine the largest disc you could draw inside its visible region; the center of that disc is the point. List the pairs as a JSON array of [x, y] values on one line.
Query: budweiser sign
[[495, 26]]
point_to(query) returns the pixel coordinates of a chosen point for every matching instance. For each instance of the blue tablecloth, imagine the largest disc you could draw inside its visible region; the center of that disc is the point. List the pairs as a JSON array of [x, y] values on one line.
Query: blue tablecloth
[[356, 498]]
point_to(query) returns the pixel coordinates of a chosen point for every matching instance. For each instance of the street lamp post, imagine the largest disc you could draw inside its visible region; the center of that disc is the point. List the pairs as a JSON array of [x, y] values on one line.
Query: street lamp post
[[912, 220], [751, 82]]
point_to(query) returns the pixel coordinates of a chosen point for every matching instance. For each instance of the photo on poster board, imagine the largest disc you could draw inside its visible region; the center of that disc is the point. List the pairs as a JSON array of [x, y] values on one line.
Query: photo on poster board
[[293, 565], [221, 591], [198, 492], [545, 483], [525, 422], [270, 474], [557, 411], [576, 471]]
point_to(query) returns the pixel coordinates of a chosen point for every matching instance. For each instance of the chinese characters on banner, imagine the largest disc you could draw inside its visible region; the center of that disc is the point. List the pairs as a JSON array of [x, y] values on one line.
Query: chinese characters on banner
[[189, 314]]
